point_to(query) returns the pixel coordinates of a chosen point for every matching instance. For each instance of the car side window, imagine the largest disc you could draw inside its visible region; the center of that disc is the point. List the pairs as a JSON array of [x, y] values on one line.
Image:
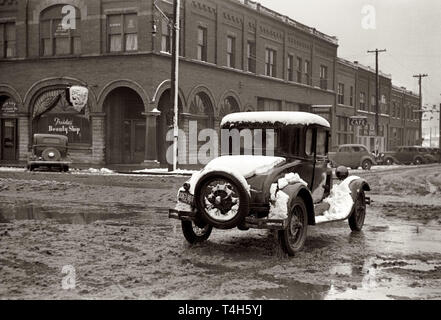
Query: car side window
[[308, 142], [356, 149], [321, 142]]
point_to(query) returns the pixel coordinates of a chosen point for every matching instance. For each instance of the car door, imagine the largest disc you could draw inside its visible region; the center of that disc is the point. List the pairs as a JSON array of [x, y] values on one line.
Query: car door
[[400, 155], [355, 157], [343, 156], [321, 172]]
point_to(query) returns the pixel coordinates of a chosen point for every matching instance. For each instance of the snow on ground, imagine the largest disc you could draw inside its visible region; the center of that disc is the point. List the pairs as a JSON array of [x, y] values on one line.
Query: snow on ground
[[165, 171], [92, 171], [11, 169]]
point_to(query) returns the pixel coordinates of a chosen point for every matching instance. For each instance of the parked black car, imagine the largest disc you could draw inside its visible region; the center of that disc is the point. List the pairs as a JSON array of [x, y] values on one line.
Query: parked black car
[[406, 155], [49, 151], [286, 192]]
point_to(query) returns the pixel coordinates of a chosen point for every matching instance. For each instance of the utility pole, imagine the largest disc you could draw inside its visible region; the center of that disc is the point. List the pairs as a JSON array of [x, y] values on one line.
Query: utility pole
[[175, 79], [420, 77], [377, 95]]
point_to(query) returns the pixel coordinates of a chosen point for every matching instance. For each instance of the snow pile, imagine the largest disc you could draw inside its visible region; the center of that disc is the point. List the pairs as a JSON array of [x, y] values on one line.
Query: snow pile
[[283, 117], [247, 166], [279, 199], [279, 208], [98, 171], [290, 178], [340, 201]]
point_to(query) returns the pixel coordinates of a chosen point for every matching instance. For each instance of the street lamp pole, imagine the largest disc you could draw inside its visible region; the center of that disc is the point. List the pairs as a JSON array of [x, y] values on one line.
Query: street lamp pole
[[175, 79]]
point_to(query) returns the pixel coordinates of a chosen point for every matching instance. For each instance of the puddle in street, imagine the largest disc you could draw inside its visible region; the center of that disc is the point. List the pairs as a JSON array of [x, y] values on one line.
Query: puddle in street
[[294, 290], [10, 212]]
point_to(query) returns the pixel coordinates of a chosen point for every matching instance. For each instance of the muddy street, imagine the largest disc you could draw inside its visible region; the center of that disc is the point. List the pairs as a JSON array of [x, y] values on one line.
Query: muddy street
[[111, 234]]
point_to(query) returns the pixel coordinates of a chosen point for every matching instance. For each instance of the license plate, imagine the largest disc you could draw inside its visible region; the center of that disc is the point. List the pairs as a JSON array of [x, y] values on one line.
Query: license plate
[[185, 197]]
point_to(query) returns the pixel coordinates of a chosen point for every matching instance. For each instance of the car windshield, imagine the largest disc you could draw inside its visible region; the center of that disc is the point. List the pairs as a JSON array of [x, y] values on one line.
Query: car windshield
[[247, 141]]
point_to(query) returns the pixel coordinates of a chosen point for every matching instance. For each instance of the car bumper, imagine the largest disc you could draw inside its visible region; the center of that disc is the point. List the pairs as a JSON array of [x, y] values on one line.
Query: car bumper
[[48, 163], [250, 222]]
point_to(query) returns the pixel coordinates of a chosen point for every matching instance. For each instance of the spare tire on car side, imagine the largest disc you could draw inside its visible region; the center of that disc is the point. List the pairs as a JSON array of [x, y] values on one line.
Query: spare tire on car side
[[221, 200]]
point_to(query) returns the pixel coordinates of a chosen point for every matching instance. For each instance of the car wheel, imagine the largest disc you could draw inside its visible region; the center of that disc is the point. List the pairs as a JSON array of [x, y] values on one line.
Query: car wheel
[[292, 239], [194, 234], [366, 165], [222, 201], [65, 169], [356, 220], [389, 161], [31, 168], [418, 161]]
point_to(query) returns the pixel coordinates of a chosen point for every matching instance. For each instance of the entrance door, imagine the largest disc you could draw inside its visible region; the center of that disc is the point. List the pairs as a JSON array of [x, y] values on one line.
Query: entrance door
[[134, 141], [9, 139], [126, 127]]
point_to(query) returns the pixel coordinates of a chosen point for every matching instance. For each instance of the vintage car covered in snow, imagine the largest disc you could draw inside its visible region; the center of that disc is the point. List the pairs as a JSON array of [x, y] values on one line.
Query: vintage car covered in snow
[[287, 190]]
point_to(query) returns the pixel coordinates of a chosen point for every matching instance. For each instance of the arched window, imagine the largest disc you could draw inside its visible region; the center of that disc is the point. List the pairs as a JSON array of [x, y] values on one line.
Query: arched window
[[56, 37], [229, 105], [53, 114], [202, 107]]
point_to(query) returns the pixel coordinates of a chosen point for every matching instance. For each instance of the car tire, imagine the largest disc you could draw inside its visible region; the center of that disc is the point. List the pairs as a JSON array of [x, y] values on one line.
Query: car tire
[[418, 161], [389, 162], [366, 165], [357, 218], [194, 234], [224, 197], [293, 238]]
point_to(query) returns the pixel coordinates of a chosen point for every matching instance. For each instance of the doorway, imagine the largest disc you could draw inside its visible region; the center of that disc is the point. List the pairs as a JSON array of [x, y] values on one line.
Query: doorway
[[126, 127], [9, 139]]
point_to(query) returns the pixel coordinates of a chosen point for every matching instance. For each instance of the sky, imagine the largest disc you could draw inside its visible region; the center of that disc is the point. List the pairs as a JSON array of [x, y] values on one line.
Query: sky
[[410, 31]]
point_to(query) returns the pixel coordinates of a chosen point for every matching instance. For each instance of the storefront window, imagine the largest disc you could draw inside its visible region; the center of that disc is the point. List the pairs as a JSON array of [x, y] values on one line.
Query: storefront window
[[63, 119]]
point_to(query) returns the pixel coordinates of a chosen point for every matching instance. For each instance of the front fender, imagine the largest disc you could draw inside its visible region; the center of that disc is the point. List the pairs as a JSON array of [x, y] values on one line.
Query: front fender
[[300, 190], [356, 186]]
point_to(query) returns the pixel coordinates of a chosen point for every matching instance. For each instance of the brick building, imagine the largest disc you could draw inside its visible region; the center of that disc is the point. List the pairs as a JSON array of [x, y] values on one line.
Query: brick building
[[236, 56], [398, 124]]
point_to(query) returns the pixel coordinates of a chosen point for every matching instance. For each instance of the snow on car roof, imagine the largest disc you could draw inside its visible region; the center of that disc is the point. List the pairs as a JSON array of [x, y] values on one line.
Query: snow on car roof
[[282, 117]]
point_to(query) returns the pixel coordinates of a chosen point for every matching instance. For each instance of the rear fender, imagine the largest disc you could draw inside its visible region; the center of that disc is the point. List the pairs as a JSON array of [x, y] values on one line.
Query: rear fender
[[300, 190]]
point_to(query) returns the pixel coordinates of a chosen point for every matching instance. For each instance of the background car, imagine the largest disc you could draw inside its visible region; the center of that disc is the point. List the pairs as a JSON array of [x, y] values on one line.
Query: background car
[[406, 155], [50, 151], [433, 155], [352, 156]]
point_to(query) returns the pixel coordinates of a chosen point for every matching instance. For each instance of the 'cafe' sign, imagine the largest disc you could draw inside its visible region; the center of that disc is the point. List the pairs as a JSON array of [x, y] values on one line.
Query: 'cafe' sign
[[358, 121]]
